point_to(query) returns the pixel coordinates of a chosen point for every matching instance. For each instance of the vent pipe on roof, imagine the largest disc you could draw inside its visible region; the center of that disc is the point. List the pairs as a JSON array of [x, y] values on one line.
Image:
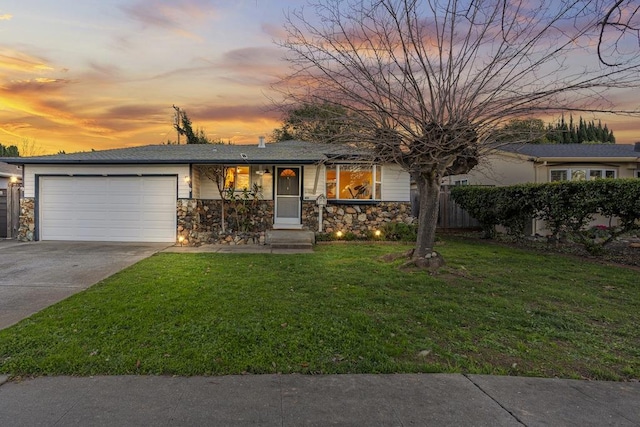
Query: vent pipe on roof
[[637, 147], [261, 142]]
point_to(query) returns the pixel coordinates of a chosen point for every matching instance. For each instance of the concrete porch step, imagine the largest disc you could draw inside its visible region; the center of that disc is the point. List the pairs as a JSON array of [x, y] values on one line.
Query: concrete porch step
[[290, 239]]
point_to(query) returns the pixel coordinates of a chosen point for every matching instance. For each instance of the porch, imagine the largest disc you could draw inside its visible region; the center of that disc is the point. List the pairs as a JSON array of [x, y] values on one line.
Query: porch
[[199, 221]]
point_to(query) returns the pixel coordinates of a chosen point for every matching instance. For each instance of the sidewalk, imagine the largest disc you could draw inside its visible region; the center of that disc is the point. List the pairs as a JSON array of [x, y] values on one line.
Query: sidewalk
[[295, 400]]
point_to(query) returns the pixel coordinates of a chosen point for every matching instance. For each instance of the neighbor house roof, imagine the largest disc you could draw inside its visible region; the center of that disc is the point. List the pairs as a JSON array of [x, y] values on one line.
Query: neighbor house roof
[[621, 152], [280, 153], [7, 170]]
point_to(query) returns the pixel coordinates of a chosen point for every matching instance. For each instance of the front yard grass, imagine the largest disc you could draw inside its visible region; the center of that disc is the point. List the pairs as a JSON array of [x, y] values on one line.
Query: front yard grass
[[492, 310]]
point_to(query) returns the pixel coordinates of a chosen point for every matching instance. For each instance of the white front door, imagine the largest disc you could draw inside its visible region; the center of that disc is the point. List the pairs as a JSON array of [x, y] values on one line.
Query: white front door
[[287, 200]]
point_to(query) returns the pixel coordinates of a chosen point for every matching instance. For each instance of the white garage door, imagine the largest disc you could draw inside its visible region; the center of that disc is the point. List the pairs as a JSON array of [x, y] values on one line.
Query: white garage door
[[113, 209]]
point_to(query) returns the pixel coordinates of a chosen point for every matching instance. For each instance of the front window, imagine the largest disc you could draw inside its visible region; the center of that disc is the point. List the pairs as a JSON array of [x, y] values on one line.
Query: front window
[[237, 178], [578, 175], [638, 173], [353, 182], [581, 174]]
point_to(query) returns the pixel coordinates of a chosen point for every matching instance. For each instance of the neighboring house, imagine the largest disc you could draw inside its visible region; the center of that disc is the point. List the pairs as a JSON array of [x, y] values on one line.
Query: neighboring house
[[158, 193], [10, 175], [7, 172], [539, 163]]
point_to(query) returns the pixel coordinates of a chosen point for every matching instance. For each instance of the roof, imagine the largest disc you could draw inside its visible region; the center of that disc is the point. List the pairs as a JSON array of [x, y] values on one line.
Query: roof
[[582, 151], [275, 153], [7, 170]]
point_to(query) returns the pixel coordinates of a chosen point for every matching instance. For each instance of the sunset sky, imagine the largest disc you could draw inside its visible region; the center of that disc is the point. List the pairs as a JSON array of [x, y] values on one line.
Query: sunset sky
[[99, 74]]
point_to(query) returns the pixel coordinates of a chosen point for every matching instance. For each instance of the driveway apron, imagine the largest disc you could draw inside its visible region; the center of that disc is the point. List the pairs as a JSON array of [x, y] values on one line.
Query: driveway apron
[[36, 275]]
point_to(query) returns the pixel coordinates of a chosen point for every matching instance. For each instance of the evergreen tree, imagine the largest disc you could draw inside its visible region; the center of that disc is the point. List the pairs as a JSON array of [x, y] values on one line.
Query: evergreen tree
[[9, 151], [584, 132], [185, 128]]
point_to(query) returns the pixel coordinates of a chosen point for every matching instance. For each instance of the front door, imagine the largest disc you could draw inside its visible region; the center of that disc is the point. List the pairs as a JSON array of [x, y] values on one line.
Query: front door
[[287, 209]]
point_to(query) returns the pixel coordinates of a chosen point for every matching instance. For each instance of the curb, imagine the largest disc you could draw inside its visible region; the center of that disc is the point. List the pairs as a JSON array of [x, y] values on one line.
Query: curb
[[4, 379]]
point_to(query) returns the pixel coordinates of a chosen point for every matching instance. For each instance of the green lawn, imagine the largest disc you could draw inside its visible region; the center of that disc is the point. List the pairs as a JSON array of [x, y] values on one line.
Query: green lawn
[[493, 310]]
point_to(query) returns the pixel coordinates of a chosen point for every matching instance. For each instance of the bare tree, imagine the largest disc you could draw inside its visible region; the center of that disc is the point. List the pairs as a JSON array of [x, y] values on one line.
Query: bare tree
[[619, 32], [428, 83], [218, 174], [311, 123], [30, 147]]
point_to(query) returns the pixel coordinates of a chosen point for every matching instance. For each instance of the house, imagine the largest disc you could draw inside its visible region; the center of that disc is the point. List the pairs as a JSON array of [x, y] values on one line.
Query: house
[[540, 163], [161, 193], [10, 178]]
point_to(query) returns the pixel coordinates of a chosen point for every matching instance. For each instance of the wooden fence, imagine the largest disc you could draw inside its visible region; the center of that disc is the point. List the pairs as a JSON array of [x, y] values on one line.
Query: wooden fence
[[451, 216], [9, 211]]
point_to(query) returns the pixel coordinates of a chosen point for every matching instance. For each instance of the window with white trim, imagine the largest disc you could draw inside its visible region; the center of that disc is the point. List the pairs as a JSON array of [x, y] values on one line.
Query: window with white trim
[[345, 182], [581, 174], [238, 178]]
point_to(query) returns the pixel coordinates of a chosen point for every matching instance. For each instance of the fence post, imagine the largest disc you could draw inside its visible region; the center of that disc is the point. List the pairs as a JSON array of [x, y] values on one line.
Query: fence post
[[13, 210]]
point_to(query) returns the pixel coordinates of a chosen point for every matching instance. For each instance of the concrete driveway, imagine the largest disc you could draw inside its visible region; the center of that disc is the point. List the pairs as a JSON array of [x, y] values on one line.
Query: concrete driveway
[[36, 275]]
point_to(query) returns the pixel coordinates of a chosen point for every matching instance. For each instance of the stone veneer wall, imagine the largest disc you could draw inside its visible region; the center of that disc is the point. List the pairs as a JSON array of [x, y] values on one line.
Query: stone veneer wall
[[357, 219], [199, 221], [27, 219]]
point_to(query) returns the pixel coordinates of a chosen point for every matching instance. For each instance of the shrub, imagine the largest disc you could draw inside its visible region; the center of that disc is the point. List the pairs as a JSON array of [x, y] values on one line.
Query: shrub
[[399, 231], [480, 203], [515, 207], [567, 207]]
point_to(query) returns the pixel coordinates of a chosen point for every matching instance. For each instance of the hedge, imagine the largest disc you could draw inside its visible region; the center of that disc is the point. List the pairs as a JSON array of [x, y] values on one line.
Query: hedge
[[566, 206]]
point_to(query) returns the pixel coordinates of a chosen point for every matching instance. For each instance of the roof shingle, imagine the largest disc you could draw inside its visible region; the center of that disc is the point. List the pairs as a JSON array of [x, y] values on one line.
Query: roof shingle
[[281, 152], [573, 150]]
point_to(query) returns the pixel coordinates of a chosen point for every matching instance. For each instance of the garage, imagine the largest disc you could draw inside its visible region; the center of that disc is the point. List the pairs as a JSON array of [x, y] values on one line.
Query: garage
[[107, 208]]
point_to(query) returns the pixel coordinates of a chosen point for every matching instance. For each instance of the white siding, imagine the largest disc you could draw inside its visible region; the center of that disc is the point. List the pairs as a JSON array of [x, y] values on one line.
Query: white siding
[[310, 181], [500, 170], [30, 171], [208, 189], [195, 183], [395, 184]]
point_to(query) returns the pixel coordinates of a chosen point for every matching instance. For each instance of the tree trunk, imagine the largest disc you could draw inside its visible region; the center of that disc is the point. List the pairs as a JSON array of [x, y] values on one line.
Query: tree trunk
[[429, 193]]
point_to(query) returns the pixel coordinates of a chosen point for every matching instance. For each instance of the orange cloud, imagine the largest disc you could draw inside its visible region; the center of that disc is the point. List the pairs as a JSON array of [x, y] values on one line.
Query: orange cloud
[[18, 61], [5, 17]]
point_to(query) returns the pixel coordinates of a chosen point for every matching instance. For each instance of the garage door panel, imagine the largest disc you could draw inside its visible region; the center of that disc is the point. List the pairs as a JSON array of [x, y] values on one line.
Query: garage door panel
[[126, 209]]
